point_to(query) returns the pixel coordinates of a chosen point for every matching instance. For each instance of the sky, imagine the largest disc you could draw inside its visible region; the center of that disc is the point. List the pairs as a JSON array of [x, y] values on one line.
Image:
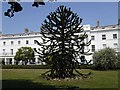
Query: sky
[[32, 17]]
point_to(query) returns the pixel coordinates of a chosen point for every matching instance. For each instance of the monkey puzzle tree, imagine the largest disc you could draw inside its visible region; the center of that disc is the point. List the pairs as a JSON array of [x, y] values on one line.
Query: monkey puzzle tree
[[62, 43]]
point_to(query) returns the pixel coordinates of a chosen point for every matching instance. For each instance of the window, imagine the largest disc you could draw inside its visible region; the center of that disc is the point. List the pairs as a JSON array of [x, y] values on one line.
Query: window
[[115, 46], [104, 45], [4, 43], [11, 50], [3, 51], [34, 41], [103, 37], [92, 37], [11, 42], [93, 48], [27, 42], [18, 42], [114, 36]]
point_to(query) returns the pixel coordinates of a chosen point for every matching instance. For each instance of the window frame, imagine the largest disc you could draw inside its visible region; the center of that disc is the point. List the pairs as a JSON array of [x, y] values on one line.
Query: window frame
[[19, 42], [93, 49], [104, 37], [11, 51], [27, 41], [4, 43], [104, 45], [12, 42], [92, 37], [3, 51], [114, 36]]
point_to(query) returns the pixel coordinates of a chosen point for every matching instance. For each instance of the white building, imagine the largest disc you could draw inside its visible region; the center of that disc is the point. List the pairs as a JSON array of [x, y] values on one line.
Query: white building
[[101, 36], [10, 43]]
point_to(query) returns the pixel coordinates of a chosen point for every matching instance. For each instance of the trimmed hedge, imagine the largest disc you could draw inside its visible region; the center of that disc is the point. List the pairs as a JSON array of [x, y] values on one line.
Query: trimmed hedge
[[86, 66], [38, 67], [25, 67]]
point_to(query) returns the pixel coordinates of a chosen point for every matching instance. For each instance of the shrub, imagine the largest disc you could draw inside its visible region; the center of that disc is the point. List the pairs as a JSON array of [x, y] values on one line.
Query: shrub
[[105, 59], [118, 58], [25, 67], [38, 67], [85, 66], [25, 54]]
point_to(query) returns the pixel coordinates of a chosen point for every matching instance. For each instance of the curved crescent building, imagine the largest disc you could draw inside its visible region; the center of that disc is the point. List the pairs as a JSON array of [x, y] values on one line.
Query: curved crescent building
[[100, 36]]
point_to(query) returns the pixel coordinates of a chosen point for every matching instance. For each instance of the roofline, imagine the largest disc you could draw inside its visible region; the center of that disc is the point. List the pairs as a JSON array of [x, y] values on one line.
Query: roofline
[[91, 28]]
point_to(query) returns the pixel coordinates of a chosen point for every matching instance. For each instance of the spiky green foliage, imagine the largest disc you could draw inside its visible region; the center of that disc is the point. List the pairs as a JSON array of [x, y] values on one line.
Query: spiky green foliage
[[63, 42]]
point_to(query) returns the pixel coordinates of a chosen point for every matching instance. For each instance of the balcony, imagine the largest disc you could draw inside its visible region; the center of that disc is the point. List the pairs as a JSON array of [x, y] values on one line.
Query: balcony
[[6, 54]]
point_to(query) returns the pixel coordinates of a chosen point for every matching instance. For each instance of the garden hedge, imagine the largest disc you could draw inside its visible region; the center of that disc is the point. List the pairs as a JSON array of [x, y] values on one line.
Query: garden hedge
[[38, 67], [25, 67]]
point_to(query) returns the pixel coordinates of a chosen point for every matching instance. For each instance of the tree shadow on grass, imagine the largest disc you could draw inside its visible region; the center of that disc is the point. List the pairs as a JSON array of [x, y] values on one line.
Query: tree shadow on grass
[[30, 84], [14, 84]]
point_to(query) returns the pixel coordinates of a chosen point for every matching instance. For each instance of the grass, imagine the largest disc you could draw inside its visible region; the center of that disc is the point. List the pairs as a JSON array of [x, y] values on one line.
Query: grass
[[30, 78]]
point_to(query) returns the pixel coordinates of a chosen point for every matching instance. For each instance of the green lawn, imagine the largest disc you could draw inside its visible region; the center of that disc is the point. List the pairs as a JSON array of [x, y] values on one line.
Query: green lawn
[[30, 78]]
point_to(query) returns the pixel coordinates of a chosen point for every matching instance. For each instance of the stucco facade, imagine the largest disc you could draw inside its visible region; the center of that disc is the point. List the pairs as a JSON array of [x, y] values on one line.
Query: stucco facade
[[100, 36]]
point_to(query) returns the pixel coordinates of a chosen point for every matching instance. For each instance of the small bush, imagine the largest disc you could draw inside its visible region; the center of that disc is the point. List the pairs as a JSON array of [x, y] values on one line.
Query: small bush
[[25, 67], [38, 67], [86, 66], [118, 58], [105, 59]]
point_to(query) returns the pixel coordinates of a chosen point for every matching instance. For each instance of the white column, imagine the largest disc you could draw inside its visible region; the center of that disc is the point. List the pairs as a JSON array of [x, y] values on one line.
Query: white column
[[5, 61], [13, 61], [36, 60]]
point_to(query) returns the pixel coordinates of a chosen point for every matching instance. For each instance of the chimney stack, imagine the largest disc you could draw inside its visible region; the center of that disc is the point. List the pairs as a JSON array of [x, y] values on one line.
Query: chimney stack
[[119, 21], [98, 23], [26, 30]]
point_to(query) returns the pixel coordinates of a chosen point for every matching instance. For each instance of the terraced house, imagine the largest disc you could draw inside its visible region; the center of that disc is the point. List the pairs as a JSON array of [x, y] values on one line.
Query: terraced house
[[100, 36]]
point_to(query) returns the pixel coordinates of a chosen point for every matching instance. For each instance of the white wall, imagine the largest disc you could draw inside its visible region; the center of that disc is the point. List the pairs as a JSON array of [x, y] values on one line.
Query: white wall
[[97, 32], [98, 42], [16, 46]]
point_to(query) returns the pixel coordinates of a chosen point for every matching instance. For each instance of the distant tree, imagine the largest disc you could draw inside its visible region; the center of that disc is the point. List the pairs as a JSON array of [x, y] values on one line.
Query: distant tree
[[105, 59], [26, 54], [63, 43]]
